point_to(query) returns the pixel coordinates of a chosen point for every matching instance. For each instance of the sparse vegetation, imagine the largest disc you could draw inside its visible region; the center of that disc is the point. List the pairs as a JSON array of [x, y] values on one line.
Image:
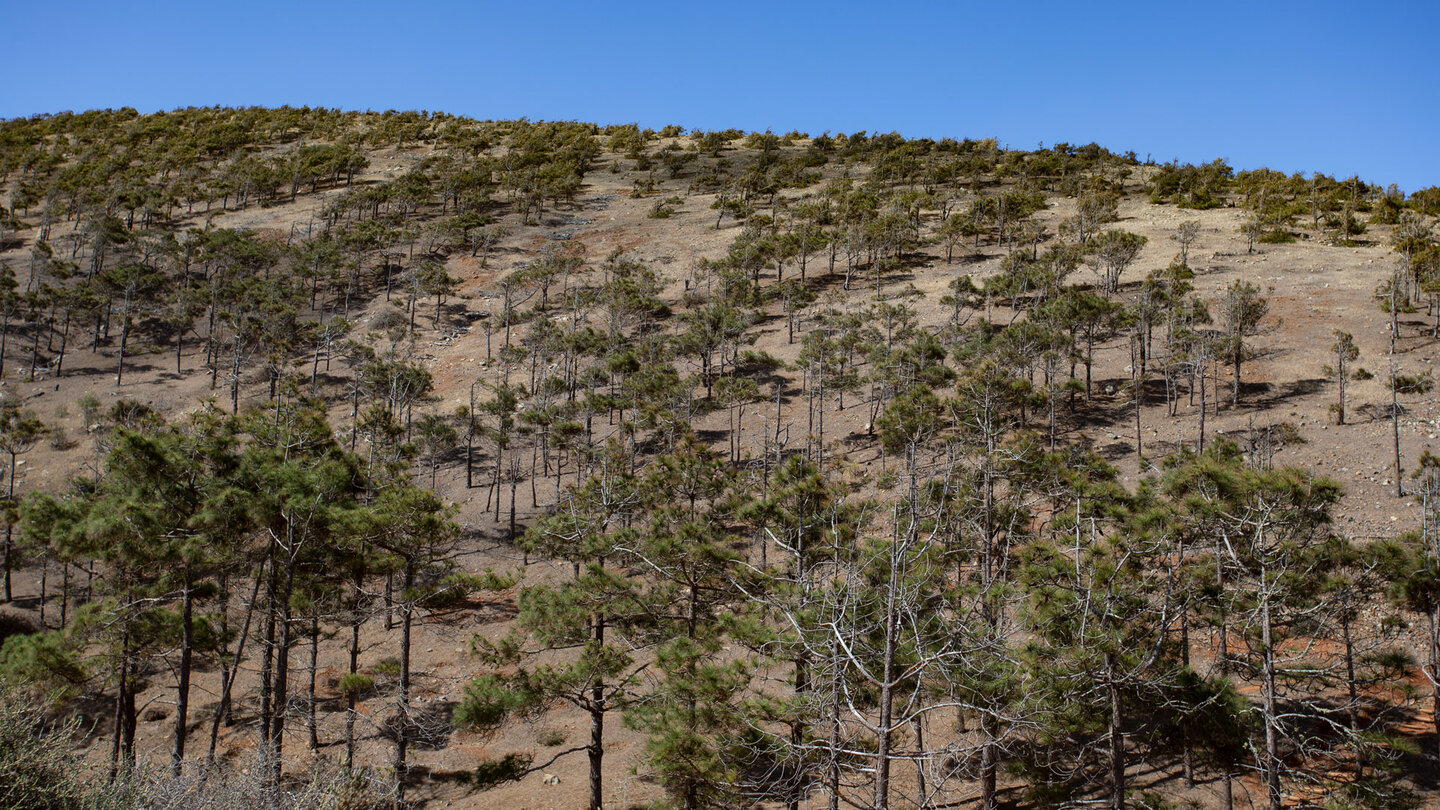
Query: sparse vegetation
[[809, 468]]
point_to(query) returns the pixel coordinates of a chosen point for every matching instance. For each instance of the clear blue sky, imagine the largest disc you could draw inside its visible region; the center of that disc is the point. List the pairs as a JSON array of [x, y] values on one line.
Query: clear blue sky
[[1341, 88]]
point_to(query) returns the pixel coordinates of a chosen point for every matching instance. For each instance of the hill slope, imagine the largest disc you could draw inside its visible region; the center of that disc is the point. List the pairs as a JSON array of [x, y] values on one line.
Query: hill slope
[[558, 298]]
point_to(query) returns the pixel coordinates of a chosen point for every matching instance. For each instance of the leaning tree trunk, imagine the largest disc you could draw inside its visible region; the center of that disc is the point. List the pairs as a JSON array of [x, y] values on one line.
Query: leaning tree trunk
[[227, 672]]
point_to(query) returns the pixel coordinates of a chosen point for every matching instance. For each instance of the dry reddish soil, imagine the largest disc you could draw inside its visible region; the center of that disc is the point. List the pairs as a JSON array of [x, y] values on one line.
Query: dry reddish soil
[[1313, 289]]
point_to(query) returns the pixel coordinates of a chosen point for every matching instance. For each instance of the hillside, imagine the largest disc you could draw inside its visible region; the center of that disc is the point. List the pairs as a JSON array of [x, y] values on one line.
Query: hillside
[[905, 472]]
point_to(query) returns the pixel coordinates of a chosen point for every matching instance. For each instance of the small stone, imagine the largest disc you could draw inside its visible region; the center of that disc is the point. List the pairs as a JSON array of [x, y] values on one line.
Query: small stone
[[550, 779]]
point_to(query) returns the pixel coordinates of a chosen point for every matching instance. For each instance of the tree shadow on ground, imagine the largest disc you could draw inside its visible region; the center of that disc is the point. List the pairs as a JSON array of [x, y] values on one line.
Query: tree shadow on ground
[[1266, 396]]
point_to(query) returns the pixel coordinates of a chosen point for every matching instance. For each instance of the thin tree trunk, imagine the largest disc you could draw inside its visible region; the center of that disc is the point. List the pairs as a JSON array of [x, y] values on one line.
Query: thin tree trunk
[[182, 691], [229, 673], [886, 697], [124, 336], [1353, 708], [402, 734], [1272, 741], [122, 684], [1395, 431], [355, 621], [1434, 674], [267, 673], [1117, 738], [596, 751], [310, 692]]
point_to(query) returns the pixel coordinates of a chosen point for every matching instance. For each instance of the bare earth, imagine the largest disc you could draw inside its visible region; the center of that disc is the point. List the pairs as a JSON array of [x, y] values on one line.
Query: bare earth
[[1313, 289]]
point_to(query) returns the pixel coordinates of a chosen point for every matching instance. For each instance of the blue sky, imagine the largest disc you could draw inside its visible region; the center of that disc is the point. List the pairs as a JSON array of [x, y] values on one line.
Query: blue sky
[[1341, 88]]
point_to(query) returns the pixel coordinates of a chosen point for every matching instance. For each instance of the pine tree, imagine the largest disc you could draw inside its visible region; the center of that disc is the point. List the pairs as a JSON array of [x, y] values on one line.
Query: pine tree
[[685, 555], [1094, 602], [592, 612], [416, 530], [1271, 554], [19, 432], [1346, 353], [305, 486]]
